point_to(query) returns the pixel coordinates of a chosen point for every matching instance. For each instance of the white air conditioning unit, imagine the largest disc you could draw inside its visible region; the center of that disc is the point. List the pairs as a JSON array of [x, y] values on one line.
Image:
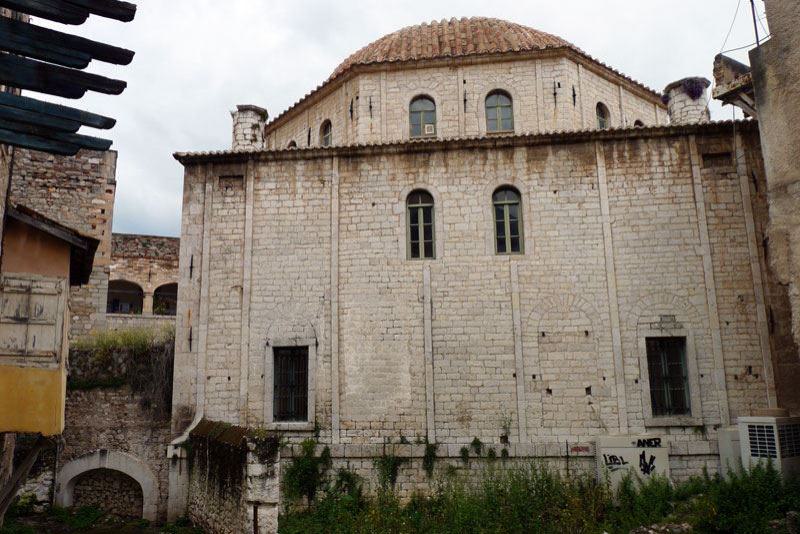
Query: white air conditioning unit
[[775, 439], [430, 129]]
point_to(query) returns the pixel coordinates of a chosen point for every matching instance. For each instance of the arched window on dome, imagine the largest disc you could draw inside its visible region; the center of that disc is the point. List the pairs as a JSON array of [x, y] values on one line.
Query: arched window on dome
[[422, 116], [499, 112], [507, 204], [291, 144], [326, 133], [420, 228], [638, 124], [603, 116]]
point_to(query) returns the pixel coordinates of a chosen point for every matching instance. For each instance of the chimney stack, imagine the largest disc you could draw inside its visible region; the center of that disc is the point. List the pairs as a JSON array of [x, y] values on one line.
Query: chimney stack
[[249, 123], [686, 101]]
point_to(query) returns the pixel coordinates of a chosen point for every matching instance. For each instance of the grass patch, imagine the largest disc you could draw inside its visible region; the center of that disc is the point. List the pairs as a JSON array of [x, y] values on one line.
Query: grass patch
[[534, 499]]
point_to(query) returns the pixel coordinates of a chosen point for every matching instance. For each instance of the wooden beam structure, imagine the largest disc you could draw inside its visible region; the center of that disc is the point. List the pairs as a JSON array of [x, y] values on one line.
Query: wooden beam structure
[[73, 11], [56, 47], [52, 62]]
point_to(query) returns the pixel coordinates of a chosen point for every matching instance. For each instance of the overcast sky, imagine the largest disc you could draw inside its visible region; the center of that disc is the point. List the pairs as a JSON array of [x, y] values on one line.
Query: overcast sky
[[196, 59]]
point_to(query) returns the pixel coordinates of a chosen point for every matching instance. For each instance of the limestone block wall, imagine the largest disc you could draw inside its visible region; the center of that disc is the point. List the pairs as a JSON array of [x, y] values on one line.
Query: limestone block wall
[[549, 94], [627, 235], [78, 192]]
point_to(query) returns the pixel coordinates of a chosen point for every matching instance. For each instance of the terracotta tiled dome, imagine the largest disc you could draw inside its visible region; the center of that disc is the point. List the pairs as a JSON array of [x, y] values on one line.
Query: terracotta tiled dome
[[452, 38]]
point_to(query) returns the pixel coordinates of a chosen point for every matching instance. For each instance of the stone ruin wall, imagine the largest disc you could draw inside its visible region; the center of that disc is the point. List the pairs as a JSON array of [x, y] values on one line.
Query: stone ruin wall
[[78, 192], [150, 262], [776, 77]]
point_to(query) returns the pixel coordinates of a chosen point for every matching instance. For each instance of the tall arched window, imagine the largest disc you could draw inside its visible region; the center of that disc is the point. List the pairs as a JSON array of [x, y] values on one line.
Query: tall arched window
[[124, 297], [507, 220], [499, 112], [420, 229], [603, 116], [325, 133], [422, 117]]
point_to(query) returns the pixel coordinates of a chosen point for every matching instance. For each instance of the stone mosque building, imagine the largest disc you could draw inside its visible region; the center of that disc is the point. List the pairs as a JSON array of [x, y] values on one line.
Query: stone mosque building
[[471, 229]]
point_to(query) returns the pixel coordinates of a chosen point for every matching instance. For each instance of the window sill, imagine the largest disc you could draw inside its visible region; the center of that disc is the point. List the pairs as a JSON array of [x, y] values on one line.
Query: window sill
[[294, 426], [499, 132], [431, 136], [672, 420]]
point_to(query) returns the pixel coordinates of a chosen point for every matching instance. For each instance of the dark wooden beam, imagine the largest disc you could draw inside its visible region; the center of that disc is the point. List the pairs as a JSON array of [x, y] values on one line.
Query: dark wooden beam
[[83, 141], [54, 110], [53, 43], [111, 9], [38, 119], [22, 46], [55, 10], [38, 143], [25, 73]]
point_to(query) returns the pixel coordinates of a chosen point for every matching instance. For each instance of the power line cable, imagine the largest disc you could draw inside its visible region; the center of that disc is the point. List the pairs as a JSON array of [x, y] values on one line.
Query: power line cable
[[735, 15]]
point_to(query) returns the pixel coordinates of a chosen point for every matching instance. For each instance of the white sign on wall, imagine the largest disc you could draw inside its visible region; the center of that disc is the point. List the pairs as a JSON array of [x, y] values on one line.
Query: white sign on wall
[[642, 456]]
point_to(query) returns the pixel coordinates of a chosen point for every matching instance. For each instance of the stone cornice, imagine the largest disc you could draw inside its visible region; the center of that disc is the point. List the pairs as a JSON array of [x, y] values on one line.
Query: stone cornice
[[494, 141]]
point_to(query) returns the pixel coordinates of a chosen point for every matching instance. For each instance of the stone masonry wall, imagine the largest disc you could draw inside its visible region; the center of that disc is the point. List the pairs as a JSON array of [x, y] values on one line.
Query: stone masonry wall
[[111, 491], [776, 78], [148, 261], [645, 233], [380, 102], [78, 192], [115, 419]]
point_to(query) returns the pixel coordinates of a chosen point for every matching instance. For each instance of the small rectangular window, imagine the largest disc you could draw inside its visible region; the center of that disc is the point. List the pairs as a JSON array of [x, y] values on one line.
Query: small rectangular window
[[669, 381], [290, 396]]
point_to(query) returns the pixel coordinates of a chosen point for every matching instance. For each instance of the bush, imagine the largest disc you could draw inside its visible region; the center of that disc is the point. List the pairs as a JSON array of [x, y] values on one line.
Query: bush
[[305, 474], [535, 499]]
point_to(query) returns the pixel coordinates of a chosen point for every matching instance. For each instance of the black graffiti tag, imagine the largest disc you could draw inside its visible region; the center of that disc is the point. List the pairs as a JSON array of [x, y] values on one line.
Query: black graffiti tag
[[614, 462], [645, 466]]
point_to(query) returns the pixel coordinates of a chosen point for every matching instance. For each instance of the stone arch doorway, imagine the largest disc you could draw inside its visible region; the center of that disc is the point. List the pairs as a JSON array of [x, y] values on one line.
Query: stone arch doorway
[[102, 464]]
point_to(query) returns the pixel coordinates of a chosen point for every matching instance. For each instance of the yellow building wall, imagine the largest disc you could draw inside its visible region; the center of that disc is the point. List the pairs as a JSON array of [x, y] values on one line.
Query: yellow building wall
[[32, 399], [32, 391]]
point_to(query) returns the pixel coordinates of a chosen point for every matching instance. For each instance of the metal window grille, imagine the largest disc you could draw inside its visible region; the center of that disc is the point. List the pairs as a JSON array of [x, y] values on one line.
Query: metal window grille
[[290, 402], [669, 381], [789, 439]]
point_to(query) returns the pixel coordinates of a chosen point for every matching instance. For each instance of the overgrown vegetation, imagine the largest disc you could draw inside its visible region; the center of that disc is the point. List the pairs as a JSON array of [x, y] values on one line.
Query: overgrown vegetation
[[388, 467], [429, 460], [21, 519], [219, 450], [535, 499], [141, 358], [306, 473], [477, 446]]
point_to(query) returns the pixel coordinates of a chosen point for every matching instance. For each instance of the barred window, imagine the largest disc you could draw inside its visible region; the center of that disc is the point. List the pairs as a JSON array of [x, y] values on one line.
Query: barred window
[[669, 380], [603, 116], [507, 221], [422, 117], [326, 133], [420, 228], [290, 396], [499, 112]]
